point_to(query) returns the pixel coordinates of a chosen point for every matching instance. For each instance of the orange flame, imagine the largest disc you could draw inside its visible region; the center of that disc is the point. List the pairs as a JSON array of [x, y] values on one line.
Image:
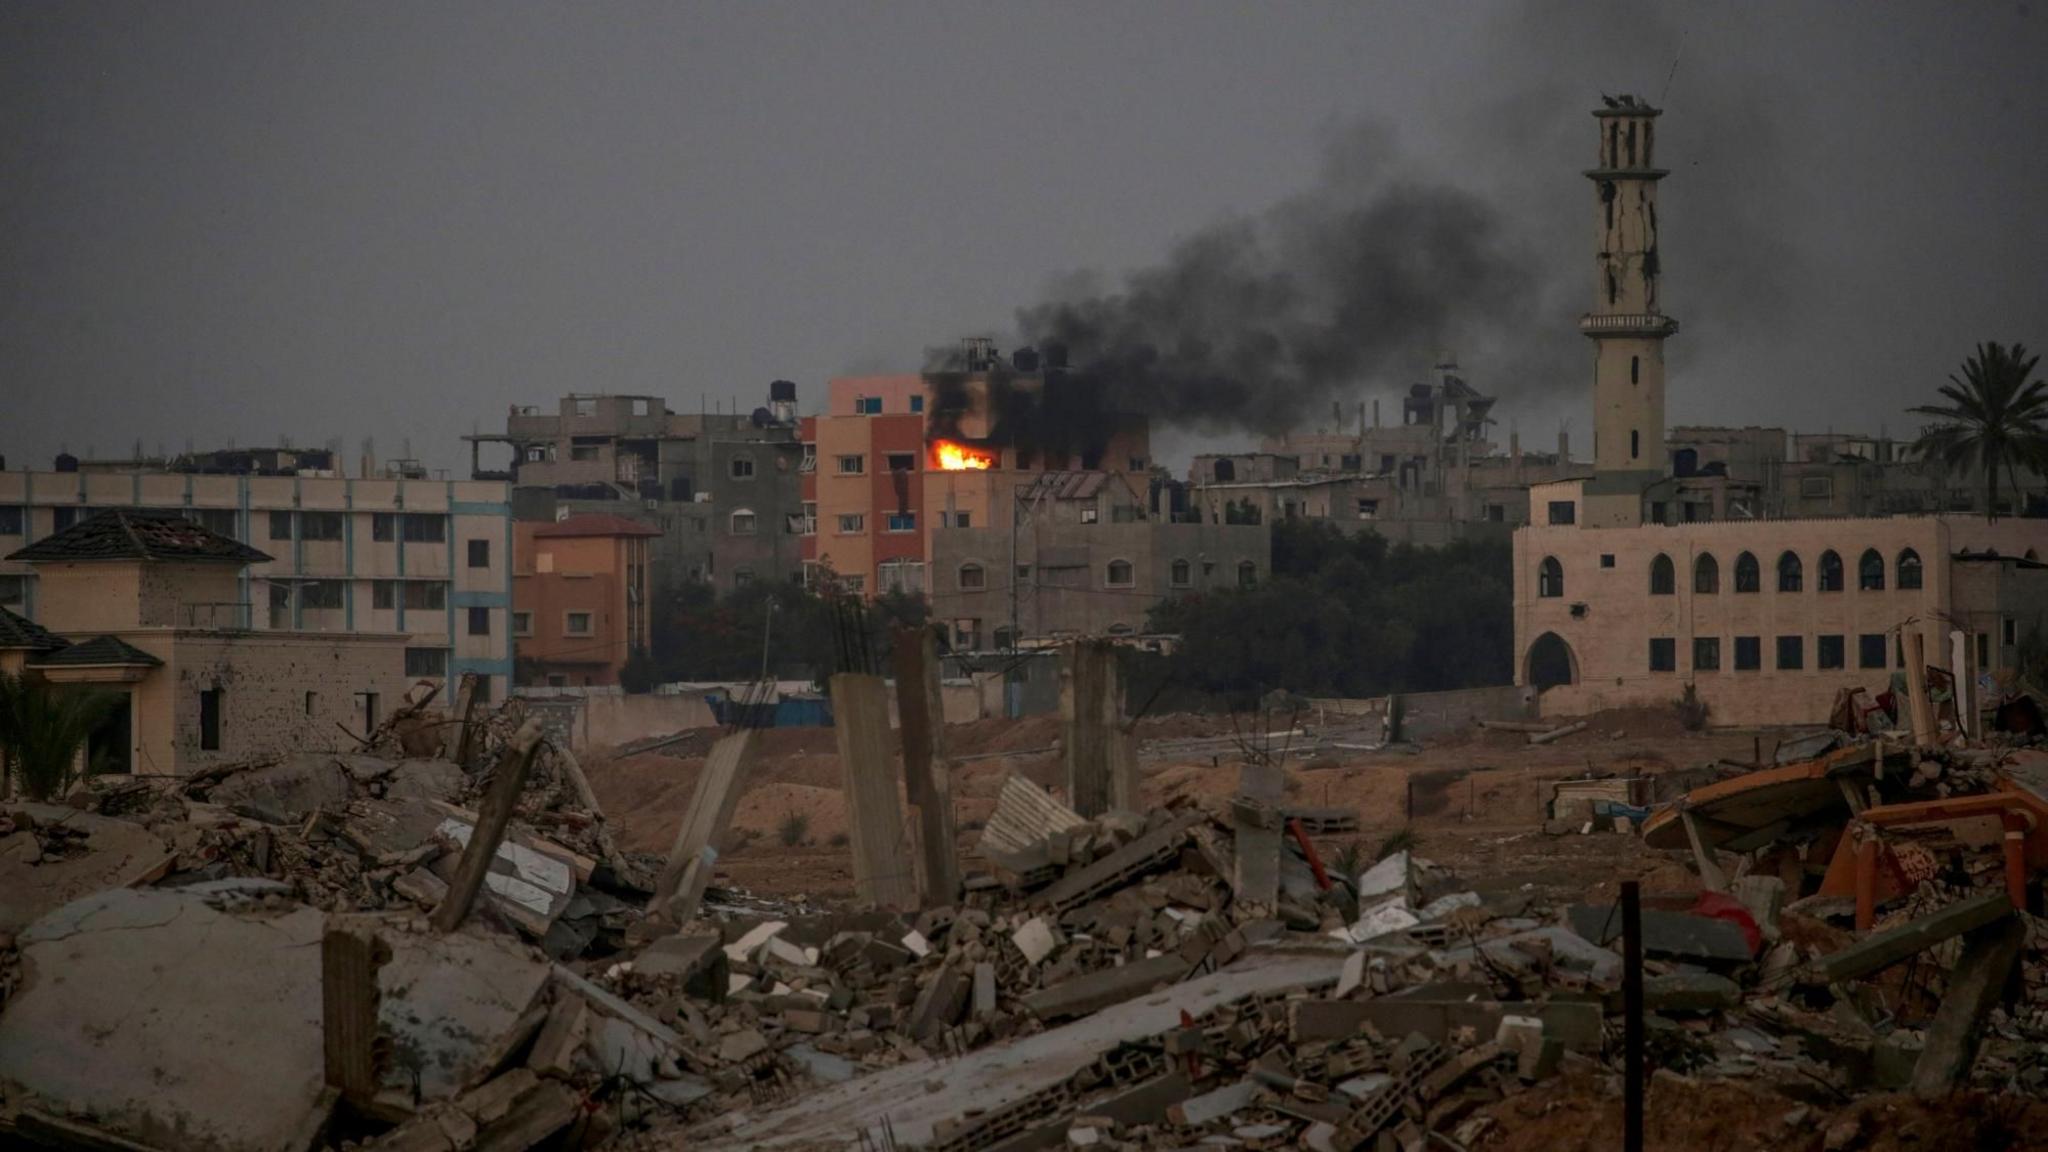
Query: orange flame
[[954, 457]]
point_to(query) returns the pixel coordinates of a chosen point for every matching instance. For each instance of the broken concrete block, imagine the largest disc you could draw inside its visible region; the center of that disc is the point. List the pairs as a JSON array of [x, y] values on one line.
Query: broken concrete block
[[782, 950], [1764, 896], [1035, 940], [1212, 1106], [939, 1004], [1679, 935], [421, 887], [1690, 992], [1883, 949], [741, 951], [917, 945], [1082, 995], [1352, 976], [1380, 920], [561, 1037], [741, 1045], [984, 990], [1388, 876], [285, 793]]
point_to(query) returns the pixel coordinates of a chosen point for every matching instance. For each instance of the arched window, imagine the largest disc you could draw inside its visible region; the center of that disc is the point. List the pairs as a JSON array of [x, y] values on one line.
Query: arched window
[[972, 577], [1247, 574], [1182, 574], [1550, 577], [1830, 571], [1663, 576], [1706, 575], [1119, 574], [1748, 574], [742, 522], [1909, 568], [1870, 571], [1791, 573]]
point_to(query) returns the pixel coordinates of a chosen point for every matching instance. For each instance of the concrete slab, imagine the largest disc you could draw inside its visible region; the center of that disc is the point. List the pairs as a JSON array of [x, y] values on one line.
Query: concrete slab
[[137, 1007], [448, 1001], [118, 854], [286, 792], [918, 1095], [1676, 934]]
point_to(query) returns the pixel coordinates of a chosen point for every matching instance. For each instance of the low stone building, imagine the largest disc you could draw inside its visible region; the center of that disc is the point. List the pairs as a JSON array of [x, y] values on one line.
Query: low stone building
[[129, 594]]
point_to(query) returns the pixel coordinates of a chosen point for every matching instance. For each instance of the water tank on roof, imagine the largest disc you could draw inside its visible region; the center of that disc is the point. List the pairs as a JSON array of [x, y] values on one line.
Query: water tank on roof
[[66, 462], [1025, 359], [763, 418], [782, 390]]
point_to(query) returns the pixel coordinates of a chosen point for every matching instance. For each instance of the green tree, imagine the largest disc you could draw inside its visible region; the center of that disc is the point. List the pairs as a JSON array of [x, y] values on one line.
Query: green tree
[[1996, 419], [42, 728]]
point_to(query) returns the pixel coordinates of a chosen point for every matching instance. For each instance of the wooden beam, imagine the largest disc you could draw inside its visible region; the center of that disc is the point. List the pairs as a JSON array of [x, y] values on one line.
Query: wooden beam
[[500, 802]]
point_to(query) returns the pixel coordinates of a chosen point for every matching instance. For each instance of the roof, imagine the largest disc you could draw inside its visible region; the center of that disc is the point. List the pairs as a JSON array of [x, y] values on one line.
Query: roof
[[595, 524], [17, 632], [139, 534], [99, 650]]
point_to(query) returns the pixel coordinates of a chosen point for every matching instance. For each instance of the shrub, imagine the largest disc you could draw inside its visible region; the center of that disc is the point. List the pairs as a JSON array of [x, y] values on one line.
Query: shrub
[[42, 727], [794, 829]]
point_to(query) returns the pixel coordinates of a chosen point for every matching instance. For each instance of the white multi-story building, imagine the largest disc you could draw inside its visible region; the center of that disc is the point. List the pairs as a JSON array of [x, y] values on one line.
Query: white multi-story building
[[427, 558]]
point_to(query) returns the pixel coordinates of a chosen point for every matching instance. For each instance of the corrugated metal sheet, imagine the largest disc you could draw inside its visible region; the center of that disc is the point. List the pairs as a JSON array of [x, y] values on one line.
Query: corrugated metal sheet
[[1024, 817]]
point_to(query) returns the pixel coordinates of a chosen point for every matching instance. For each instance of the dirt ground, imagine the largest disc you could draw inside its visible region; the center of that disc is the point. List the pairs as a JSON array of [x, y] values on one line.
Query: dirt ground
[[1474, 801]]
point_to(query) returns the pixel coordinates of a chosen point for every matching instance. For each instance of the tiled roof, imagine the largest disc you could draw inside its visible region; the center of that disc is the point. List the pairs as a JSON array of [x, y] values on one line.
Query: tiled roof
[[595, 524], [98, 650], [17, 633], [138, 534]]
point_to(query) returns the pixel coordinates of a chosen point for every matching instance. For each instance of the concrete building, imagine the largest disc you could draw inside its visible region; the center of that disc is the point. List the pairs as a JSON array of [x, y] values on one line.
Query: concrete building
[[1086, 555], [134, 596], [1633, 583], [1738, 473], [1435, 477], [580, 598], [721, 488], [429, 559]]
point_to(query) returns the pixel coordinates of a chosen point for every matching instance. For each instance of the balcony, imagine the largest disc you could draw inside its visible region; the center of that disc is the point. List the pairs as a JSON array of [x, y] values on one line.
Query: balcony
[[1627, 324]]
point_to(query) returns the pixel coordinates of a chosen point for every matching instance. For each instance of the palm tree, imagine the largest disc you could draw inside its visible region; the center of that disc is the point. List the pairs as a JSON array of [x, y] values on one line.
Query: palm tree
[[42, 727], [1996, 417]]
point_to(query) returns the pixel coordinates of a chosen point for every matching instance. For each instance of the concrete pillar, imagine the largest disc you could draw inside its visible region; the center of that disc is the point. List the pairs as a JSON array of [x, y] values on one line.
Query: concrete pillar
[[1922, 709], [927, 776], [695, 852], [883, 874], [1101, 755], [1261, 786]]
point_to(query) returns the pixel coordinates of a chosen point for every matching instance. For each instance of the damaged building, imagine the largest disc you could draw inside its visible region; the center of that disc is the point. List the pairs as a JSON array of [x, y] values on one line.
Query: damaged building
[[1635, 583]]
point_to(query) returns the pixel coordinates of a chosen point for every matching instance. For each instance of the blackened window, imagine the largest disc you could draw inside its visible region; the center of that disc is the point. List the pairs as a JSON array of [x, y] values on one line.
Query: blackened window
[[1870, 650], [1791, 573], [1791, 653], [1706, 654], [479, 553], [209, 720], [1830, 651], [1663, 654], [1748, 574], [1830, 571], [1749, 653]]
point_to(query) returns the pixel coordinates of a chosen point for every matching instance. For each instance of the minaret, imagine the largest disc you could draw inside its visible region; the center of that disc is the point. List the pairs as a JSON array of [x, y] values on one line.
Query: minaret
[[1627, 324]]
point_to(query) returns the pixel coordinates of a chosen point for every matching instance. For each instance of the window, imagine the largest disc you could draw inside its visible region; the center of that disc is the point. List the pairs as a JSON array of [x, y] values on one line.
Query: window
[[1706, 654], [1706, 575], [1791, 653], [479, 553], [901, 461], [852, 523], [963, 520], [742, 522], [320, 594], [479, 621], [424, 529], [1563, 512], [853, 465], [1748, 574], [13, 592], [384, 526], [583, 452], [280, 525], [867, 405], [1909, 570], [740, 468], [1829, 652], [426, 595], [383, 595], [901, 522], [522, 623], [220, 521], [1817, 487], [2012, 632], [1181, 574], [63, 518], [1749, 653], [13, 522], [1870, 572], [319, 525], [1870, 650], [972, 577], [742, 576], [209, 720], [1830, 573], [1635, 369], [1090, 515], [1635, 444], [311, 697], [967, 635], [1607, 559], [1550, 578], [900, 576], [1368, 509], [1120, 574], [576, 623], [1247, 574], [917, 403], [428, 662], [1791, 572], [1663, 654], [1983, 650], [1663, 576]]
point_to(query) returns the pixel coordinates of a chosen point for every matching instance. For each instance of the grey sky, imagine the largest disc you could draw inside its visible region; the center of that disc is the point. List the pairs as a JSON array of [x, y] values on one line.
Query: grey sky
[[251, 220]]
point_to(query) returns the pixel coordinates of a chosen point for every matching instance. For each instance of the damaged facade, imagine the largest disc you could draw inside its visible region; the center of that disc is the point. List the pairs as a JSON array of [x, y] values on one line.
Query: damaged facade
[[1623, 597]]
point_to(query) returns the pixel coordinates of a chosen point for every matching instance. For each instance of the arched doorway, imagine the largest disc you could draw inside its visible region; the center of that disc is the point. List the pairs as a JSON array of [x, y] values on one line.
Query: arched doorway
[[1550, 662]]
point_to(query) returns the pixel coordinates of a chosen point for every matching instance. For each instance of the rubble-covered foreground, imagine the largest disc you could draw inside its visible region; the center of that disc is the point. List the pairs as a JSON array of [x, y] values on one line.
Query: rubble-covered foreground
[[264, 959]]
